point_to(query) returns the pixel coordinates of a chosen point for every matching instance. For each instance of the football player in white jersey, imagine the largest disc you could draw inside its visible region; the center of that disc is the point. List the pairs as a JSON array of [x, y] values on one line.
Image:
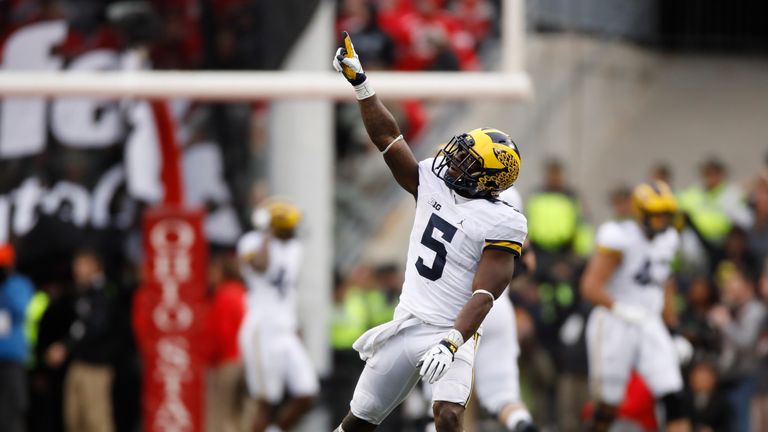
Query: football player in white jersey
[[460, 259], [628, 280], [273, 356], [497, 377]]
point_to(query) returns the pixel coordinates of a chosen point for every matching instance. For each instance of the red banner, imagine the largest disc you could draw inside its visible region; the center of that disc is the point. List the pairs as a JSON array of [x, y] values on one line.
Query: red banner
[[169, 319]]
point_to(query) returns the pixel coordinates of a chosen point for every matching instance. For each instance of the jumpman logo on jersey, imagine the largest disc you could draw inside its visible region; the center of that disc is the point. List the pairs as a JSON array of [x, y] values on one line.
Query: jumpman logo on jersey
[[461, 222]]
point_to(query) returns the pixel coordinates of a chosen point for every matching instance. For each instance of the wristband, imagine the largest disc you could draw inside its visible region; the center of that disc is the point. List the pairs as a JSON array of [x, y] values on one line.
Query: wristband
[[482, 291], [448, 344], [364, 90], [394, 141], [454, 337]]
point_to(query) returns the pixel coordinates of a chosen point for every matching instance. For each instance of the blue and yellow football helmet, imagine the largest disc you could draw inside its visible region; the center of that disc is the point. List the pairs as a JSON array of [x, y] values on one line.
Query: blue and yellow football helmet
[[478, 164], [654, 206]]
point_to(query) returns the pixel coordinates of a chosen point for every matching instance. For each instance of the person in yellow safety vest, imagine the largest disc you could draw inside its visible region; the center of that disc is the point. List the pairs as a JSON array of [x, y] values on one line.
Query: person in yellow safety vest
[[365, 300], [35, 310], [554, 216], [715, 206]]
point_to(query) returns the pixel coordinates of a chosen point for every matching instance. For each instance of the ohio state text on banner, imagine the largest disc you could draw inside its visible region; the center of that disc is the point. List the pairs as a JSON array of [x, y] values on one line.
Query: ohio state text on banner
[[169, 320]]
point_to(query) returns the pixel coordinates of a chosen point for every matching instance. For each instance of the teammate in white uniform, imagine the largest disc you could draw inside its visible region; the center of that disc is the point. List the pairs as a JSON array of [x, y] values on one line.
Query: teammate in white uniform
[[628, 281], [497, 377], [460, 259], [274, 358]]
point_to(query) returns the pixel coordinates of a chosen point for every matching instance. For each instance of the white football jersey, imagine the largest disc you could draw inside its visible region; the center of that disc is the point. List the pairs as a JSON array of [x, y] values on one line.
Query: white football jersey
[[645, 263], [512, 196], [272, 294], [449, 234]]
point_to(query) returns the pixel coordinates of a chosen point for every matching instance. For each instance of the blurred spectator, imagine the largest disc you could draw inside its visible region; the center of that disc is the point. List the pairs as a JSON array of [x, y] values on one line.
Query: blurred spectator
[[476, 17], [349, 320], [694, 322], [662, 172], [373, 45], [88, 349], [708, 407], [553, 211], [760, 399], [716, 205], [621, 202], [365, 299], [15, 294], [739, 319], [734, 251], [51, 362], [428, 37], [226, 379], [389, 280], [757, 236], [554, 216]]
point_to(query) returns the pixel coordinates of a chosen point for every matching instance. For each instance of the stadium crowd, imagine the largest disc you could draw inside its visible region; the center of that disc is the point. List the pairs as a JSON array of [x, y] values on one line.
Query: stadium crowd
[[67, 346]]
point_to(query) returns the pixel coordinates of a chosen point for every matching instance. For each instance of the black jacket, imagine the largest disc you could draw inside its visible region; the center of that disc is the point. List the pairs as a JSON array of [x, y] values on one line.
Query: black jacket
[[90, 336]]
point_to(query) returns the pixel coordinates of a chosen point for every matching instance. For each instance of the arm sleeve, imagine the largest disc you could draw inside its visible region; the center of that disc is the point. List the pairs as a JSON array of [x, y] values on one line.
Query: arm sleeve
[[509, 235], [611, 239]]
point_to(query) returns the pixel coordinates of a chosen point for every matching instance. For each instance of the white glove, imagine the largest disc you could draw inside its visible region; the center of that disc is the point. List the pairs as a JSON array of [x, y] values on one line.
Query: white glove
[[683, 348], [260, 218], [435, 363], [348, 63], [630, 313]]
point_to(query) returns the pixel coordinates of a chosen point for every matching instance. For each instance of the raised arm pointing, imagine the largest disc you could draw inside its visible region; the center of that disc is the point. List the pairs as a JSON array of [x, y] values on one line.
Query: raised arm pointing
[[379, 122]]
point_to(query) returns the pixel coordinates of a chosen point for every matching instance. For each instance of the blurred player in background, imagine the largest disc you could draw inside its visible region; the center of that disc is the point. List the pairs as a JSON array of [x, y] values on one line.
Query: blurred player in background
[[628, 279], [497, 377], [273, 356], [460, 259]]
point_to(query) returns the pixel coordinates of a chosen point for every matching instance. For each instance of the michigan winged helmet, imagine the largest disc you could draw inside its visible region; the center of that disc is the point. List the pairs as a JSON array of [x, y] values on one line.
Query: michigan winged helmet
[[478, 164]]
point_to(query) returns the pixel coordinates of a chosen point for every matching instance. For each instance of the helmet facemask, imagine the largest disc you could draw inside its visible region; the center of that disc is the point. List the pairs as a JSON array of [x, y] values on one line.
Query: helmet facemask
[[656, 223], [459, 166]]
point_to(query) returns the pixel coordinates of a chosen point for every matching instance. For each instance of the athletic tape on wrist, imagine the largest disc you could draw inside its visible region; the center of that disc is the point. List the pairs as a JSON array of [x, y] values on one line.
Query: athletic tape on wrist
[[364, 90], [454, 336], [482, 291], [389, 146]]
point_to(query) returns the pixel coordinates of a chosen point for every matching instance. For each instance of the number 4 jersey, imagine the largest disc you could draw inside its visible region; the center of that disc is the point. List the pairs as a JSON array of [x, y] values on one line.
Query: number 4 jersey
[[272, 294], [645, 263], [449, 235]]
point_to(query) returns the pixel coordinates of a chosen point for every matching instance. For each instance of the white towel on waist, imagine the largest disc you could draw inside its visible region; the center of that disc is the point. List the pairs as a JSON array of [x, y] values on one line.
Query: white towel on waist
[[370, 341]]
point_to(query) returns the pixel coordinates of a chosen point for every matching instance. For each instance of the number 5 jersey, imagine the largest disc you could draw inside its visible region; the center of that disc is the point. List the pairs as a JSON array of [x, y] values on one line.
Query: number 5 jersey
[[449, 235]]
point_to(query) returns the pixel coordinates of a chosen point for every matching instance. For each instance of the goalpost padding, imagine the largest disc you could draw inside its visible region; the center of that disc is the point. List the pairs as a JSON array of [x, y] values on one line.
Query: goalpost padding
[[244, 86]]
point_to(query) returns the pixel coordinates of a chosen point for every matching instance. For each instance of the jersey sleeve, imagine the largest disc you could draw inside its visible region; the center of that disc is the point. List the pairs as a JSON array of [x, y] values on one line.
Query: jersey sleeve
[[249, 243], [674, 240], [508, 234], [611, 239], [426, 176]]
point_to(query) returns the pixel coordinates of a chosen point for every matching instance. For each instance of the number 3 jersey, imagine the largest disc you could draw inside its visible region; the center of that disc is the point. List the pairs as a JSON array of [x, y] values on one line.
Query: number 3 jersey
[[449, 234], [645, 263], [271, 295]]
